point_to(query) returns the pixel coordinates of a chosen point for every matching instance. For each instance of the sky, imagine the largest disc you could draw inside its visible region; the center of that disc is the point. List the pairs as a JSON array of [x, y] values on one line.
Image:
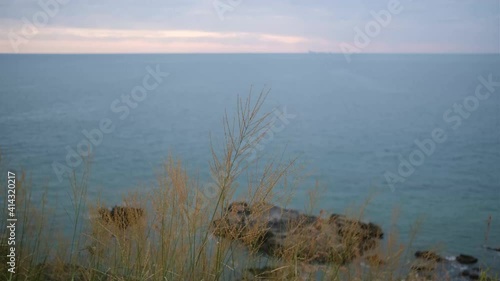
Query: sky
[[249, 26]]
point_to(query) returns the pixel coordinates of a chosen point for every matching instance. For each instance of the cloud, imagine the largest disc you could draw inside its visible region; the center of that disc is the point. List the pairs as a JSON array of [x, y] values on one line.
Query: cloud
[[252, 26], [89, 40]]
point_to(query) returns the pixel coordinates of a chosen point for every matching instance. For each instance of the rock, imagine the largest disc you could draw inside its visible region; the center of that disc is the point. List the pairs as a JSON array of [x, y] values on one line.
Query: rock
[[428, 255], [287, 233], [477, 273], [466, 259], [473, 273], [493, 249], [122, 217]]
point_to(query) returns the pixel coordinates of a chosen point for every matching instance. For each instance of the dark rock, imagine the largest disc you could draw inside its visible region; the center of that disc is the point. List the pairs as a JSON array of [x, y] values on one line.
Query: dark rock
[[473, 273], [428, 255], [477, 273], [288, 233], [122, 217], [369, 230], [493, 249], [466, 259]]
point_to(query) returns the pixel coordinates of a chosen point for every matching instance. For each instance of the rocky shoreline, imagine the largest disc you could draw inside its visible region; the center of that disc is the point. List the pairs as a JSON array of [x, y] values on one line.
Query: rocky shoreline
[[316, 239], [322, 239], [428, 261]]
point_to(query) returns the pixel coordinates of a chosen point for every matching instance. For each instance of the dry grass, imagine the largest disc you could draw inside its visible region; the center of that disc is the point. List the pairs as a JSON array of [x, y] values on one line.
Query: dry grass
[[168, 236]]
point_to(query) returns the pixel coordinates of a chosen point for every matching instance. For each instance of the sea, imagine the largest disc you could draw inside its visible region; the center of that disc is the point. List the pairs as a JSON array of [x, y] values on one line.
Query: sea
[[413, 139]]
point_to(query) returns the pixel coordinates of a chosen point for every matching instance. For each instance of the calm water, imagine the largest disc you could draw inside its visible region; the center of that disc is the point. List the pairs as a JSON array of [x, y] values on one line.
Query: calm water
[[351, 121]]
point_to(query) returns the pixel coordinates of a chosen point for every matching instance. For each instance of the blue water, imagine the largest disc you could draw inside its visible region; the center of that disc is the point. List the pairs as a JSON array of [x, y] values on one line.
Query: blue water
[[351, 121]]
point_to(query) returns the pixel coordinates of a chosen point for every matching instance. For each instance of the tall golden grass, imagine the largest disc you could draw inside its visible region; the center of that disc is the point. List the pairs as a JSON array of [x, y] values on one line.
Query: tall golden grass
[[172, 240]]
